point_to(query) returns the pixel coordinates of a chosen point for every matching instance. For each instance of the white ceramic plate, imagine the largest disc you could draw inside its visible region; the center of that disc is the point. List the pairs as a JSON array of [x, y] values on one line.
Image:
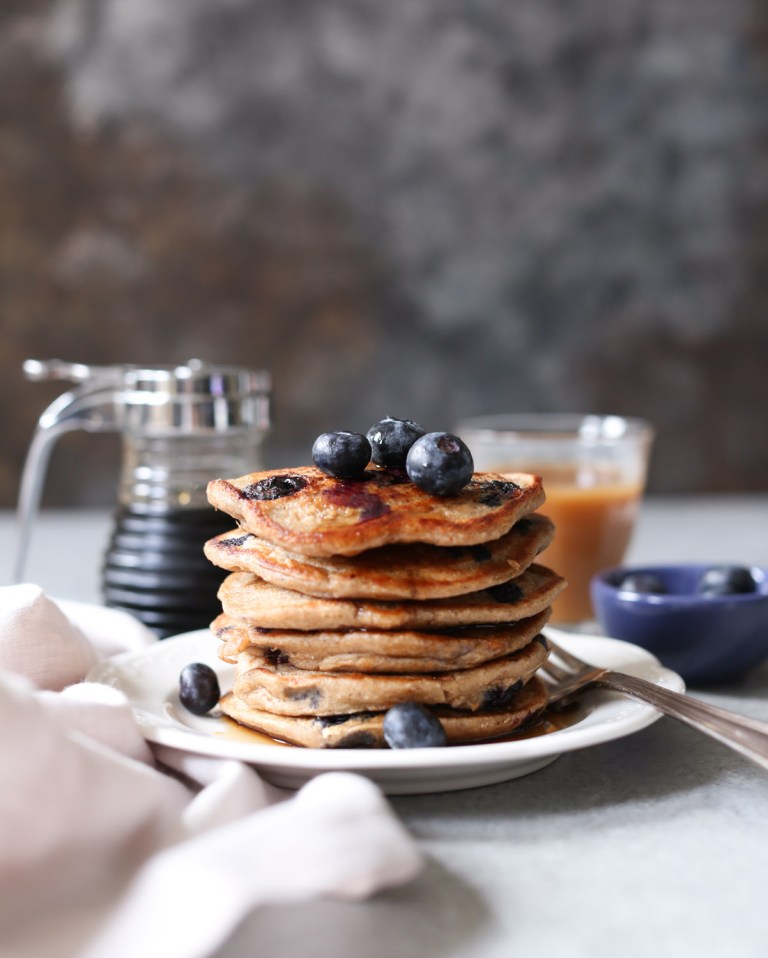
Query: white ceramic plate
[[150, 680], [110, 630]]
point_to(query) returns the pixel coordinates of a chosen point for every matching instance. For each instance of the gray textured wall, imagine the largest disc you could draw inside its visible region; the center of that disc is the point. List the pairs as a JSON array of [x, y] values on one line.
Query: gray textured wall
[[421, 207]]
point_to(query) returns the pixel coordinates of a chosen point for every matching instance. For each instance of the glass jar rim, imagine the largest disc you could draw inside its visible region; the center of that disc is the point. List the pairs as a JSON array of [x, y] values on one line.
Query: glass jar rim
[[583, 426]]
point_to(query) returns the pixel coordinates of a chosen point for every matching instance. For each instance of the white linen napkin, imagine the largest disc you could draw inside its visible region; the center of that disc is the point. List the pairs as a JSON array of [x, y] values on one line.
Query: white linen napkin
[[125, 855]]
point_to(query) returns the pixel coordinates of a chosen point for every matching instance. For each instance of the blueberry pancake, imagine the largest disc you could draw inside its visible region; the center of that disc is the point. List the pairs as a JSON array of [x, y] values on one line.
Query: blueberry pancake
[[286, 690], [369, 650], [306, 511], [256, 602], [364, 729], [411, 571]]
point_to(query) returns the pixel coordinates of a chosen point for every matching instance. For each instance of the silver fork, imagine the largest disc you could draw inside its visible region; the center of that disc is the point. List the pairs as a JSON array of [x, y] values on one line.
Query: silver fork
[[571, 674]]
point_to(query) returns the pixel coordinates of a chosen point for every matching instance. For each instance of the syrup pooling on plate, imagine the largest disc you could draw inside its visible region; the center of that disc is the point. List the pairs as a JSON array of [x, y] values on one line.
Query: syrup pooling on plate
[[239, 733], [551, 720]]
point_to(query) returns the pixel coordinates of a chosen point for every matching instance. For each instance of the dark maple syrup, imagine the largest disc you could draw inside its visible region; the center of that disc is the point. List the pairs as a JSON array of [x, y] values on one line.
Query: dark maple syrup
[[155, 568]]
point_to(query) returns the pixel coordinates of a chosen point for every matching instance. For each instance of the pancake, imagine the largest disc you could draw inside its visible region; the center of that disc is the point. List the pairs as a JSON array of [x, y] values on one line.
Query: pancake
[[303, 510], [411, 571], [286, 690], [365, 730], [256, 602], [364, 650]]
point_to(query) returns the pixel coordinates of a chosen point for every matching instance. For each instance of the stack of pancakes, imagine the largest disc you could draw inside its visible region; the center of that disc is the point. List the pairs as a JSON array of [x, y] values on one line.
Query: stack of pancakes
[[347, 597]]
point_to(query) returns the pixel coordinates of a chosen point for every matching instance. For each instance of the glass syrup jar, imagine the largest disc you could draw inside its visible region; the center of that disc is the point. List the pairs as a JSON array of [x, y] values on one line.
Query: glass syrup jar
[[181, 426]]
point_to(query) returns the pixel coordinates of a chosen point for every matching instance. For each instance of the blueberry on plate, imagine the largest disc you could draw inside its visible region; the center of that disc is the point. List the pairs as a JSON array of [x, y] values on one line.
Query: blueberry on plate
[[642, 582], [343, 455], [726, 580], [440, 463], [199, 688], [410, 725], [391, 439]]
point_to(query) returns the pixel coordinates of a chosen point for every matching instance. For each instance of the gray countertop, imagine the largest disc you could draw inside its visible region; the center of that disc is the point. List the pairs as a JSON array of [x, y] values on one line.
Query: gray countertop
[[656, 844]]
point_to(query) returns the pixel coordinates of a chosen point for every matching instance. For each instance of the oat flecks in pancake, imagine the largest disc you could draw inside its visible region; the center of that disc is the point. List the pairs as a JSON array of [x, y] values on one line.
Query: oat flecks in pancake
[[306, 511], [364, 730], [409, 571], [287, 690], [371, 650], [258, 603]]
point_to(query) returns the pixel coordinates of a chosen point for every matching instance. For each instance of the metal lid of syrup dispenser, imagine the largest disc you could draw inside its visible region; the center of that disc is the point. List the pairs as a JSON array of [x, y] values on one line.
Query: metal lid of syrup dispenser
[[194, 397]]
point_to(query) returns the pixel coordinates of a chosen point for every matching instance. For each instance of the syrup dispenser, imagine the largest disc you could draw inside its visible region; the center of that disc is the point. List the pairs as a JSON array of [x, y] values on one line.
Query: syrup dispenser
[[181, 426]]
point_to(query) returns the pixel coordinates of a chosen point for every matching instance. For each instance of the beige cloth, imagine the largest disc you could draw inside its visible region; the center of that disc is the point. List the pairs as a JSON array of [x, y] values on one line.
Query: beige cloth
[[103, 854]]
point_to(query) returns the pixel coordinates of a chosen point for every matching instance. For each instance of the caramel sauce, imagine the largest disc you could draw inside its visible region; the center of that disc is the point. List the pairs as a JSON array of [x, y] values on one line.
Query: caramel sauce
[[594, 508]]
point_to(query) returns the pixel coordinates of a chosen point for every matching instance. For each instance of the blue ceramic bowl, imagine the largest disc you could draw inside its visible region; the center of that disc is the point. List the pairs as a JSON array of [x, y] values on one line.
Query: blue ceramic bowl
[[706, 639]]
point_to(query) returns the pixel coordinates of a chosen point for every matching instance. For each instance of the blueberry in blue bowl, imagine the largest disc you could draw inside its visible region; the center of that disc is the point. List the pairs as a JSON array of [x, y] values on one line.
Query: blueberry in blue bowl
[[708, 622]]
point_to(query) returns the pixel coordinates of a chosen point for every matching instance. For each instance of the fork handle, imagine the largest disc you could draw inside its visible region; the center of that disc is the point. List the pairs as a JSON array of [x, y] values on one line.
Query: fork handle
[[745, 735]]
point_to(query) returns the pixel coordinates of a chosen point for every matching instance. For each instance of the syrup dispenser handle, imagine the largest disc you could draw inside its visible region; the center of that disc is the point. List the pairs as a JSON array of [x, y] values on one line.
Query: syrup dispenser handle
[[89, 406]]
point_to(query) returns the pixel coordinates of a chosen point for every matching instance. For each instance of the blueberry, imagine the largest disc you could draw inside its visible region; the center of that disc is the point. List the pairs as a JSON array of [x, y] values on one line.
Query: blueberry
[[410, 725], [642, 582], [343, 455], [440, 463], [506, 592], [198, 688], [274, 487], [499, 696], [391, 439], [726, 580]]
